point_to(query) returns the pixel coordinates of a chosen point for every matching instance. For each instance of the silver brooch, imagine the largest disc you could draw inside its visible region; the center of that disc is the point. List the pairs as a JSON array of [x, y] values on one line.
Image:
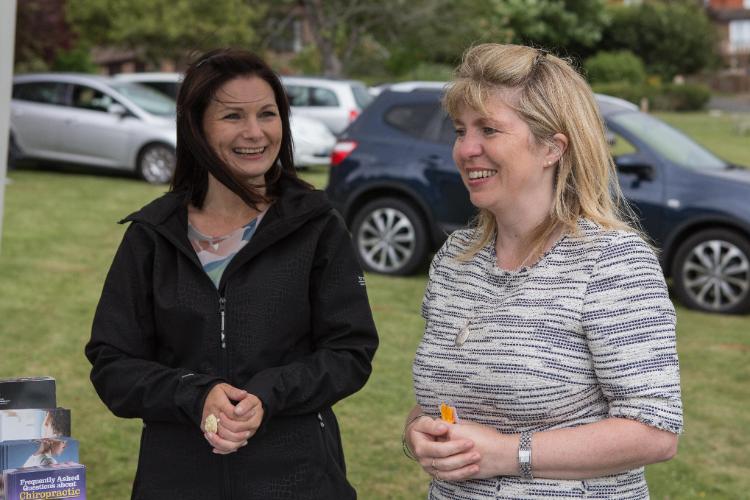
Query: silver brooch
[[462, 334]]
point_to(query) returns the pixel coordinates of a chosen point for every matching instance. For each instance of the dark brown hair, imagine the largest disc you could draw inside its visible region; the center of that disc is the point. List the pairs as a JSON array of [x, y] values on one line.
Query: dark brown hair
[[195, 157]]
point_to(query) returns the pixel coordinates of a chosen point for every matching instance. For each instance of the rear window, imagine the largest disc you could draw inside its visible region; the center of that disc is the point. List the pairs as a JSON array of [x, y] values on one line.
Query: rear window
[[361, 96], [411, 119], [322, 97], [301, 95], [42, 92]]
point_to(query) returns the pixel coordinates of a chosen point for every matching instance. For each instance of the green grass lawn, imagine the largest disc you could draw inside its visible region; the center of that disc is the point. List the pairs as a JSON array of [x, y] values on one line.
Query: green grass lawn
[[60, 234]]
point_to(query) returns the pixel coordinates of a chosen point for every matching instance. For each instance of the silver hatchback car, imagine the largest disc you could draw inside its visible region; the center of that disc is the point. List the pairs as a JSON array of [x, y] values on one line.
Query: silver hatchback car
[[93, 120], [336, 103]]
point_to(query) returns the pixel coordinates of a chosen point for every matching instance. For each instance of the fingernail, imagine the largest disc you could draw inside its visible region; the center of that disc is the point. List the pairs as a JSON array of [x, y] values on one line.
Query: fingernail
[[247, 434]]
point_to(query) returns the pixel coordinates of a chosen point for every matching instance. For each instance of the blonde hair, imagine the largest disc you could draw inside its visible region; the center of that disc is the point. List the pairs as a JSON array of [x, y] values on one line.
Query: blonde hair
[[550, 97]]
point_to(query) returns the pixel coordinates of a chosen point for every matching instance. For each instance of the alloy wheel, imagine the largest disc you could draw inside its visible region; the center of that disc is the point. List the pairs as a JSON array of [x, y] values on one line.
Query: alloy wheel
[[387, 240], [716, 275], [156, 164]]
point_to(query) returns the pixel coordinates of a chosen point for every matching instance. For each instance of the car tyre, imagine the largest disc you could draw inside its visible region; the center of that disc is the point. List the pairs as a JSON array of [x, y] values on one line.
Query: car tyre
[[156, 163], [14, 153], [711, 272], [390, 236]]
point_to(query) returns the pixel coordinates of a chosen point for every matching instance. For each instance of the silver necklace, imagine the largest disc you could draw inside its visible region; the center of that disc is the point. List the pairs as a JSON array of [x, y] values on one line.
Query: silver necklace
[[463, 333]]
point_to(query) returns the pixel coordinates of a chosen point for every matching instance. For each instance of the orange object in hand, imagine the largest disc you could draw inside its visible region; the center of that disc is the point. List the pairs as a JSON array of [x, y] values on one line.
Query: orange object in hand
[[447, 413]]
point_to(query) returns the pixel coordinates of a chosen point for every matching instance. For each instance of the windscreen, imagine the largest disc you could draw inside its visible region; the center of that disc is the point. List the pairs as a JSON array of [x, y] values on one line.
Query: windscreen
[[146, 98], [667, 141]]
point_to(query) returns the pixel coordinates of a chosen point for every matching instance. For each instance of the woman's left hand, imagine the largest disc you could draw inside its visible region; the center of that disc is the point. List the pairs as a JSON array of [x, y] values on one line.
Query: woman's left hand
[[497, 452], [236, 425]]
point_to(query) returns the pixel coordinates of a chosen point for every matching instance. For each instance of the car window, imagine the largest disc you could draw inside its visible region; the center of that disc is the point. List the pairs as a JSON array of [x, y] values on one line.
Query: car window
[[322, 97], [298, 96], [618, 145], [42, 92], [667, 141], [361, 96], [90, 98], [147, 98], [411, 118], [170, 89]]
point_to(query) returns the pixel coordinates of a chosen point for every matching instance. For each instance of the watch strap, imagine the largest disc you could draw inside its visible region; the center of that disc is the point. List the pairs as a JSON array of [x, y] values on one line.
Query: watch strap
[[524, 456]]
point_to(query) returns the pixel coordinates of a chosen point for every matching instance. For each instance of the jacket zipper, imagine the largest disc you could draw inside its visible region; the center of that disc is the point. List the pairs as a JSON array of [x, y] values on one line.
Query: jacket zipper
[[222, 311], [226, 480]]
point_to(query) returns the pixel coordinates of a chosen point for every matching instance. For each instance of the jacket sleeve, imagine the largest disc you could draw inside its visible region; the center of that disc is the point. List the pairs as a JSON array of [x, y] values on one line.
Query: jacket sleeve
[[343, 331], [630, 325], [123, 344]]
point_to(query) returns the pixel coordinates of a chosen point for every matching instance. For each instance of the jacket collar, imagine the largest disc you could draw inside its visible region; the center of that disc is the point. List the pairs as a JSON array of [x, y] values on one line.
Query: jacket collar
[[293, 208]]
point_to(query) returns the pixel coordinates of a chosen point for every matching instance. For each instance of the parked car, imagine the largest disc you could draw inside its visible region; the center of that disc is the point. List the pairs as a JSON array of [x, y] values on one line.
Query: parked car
[[93, 120], [393, 179], [312, 140], [334, 102]]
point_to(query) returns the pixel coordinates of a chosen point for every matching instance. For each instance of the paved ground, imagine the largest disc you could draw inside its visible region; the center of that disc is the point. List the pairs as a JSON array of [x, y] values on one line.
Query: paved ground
[[737, 103]]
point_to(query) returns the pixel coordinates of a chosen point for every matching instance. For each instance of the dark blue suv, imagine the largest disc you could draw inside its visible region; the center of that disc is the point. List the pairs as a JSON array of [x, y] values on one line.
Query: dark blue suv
[[394, 180]]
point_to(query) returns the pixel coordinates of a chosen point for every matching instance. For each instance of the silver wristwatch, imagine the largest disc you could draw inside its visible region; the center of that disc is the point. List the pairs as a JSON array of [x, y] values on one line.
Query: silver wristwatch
[[524, 456]]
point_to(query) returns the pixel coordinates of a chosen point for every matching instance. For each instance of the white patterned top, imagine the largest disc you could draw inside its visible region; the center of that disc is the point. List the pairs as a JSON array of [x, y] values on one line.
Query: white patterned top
[[586, 333]]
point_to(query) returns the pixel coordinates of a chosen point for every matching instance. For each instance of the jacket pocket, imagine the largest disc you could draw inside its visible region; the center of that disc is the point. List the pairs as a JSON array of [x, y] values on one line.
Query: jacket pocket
[[332, 457]]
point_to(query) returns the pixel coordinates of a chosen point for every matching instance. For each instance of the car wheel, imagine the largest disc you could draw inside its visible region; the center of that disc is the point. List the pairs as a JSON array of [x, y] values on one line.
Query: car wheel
[[156, 163], [390, 237], [14, 153], [711, 272]]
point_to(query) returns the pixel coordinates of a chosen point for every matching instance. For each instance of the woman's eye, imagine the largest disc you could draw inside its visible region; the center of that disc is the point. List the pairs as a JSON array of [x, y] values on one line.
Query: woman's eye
[[232, 116], [460, 132], [266, 114], [488, 130]]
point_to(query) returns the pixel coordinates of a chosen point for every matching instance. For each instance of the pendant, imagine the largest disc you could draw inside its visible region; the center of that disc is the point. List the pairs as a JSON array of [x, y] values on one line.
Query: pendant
[[462, 335]]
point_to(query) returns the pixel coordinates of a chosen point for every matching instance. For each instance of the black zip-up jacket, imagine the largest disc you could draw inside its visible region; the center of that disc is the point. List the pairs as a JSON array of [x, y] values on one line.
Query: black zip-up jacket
[[290, 323]]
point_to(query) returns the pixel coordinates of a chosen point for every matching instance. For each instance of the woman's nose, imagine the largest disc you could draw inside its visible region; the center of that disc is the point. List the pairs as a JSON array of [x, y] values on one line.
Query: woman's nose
[[252, 129], [467, 146]]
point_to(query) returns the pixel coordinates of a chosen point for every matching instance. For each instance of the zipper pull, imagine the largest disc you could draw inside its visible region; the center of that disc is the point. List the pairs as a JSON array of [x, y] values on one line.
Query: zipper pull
[[222, 310]]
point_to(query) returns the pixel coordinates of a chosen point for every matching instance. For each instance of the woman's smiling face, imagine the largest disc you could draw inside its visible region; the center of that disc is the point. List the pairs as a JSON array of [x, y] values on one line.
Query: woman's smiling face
[[243, 126], [501, 163]]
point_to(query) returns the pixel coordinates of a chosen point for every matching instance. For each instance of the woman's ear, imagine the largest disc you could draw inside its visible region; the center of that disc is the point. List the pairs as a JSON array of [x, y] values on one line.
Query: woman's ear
[[557, 146]]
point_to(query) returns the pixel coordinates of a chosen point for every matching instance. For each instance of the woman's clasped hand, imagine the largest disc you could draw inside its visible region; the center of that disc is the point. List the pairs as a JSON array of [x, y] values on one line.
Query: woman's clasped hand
[[239, 415]]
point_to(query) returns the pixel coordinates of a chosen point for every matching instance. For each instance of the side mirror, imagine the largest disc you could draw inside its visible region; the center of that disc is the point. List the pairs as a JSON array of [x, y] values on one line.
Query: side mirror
[[633, 165], [117, 109]]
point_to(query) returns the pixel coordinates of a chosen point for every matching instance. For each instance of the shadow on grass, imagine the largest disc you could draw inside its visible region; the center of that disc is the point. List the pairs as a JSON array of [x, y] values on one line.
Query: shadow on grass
[[72, 168]]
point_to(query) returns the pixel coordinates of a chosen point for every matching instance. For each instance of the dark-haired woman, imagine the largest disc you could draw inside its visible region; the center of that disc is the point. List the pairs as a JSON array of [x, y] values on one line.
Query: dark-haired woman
[[235, 300]]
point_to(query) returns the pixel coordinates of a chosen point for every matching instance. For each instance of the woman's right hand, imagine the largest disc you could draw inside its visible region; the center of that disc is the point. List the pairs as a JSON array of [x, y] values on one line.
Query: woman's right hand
[[427, 438], [219, 403]]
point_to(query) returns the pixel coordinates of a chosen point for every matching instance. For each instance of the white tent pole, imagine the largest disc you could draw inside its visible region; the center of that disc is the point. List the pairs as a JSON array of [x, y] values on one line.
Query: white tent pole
[[7, 41]]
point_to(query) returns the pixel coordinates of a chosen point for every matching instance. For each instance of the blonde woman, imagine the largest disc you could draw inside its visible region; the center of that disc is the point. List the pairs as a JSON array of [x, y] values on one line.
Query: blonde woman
[[548, 324]]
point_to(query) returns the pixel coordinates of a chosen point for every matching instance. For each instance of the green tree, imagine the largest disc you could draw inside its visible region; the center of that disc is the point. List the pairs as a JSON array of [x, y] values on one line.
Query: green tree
[[172, 29], [671, 37], [568, 27], [42, 33], [619, 66], [561, 25]]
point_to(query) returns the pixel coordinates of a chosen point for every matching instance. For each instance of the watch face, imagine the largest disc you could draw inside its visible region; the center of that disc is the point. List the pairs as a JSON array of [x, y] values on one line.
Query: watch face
[[524, 456]]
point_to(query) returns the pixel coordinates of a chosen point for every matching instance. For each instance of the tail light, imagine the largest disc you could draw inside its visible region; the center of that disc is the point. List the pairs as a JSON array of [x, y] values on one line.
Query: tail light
[[353, 114], [341, 150]]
